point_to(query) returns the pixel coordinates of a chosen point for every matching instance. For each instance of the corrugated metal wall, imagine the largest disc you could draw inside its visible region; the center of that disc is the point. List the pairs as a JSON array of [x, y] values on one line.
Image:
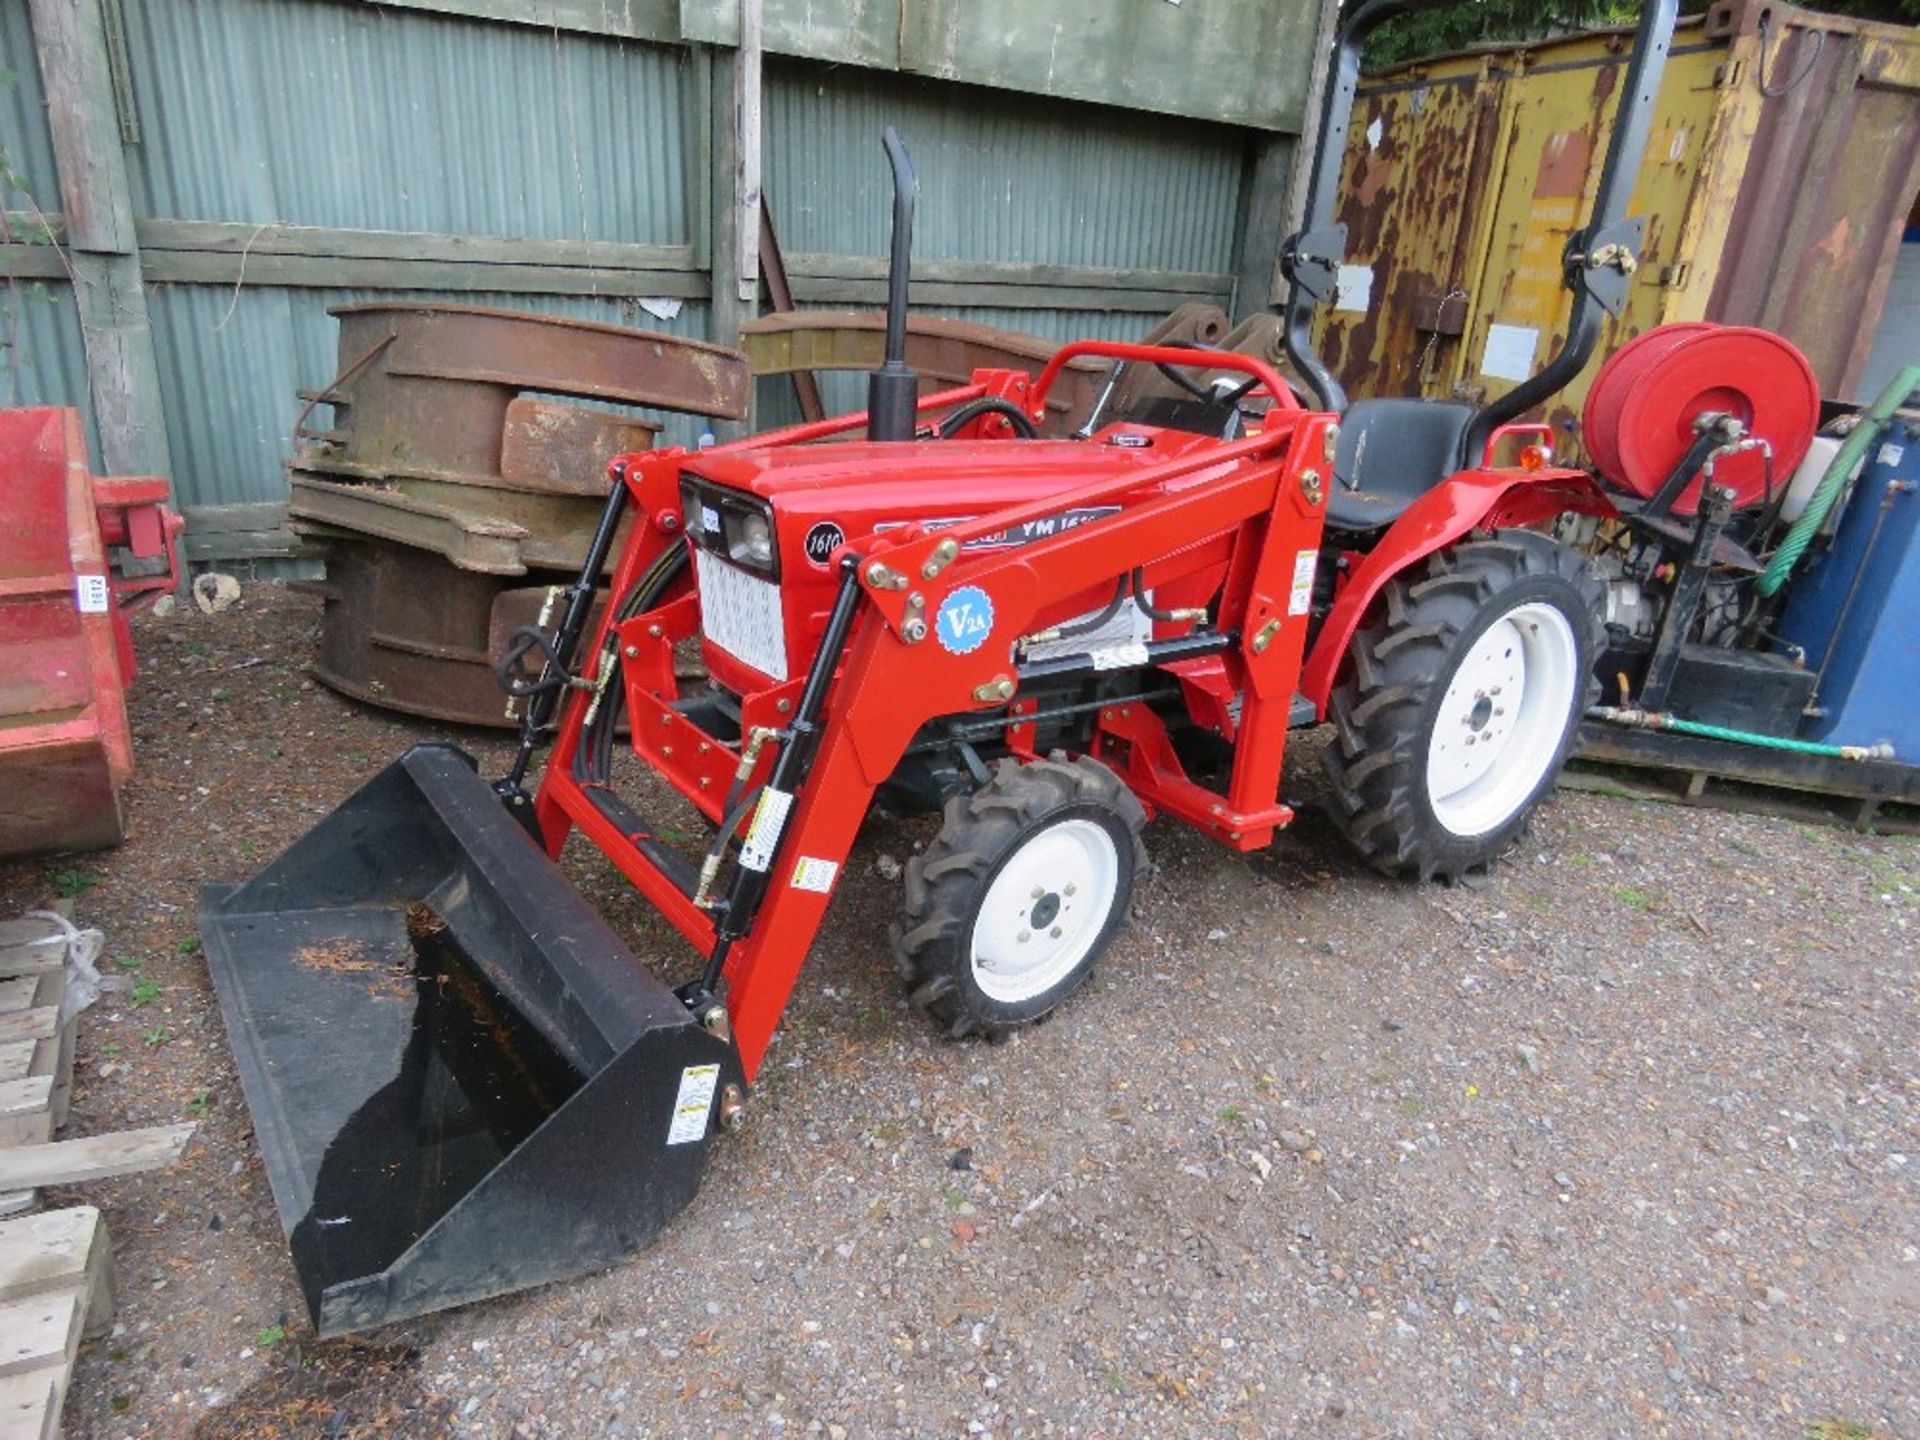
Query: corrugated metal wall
[[1002, 176], [365, 118], [45, 364], [243, 117]]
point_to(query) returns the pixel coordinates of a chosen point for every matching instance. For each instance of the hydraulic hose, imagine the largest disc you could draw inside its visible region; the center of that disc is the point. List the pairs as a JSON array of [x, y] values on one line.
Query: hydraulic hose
[[1652, 720], [1899, 390]]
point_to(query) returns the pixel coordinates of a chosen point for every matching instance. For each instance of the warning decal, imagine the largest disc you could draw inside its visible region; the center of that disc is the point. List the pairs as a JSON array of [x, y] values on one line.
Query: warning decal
[[693, 1104], [1300, 601], [812, 873], [769, 819]]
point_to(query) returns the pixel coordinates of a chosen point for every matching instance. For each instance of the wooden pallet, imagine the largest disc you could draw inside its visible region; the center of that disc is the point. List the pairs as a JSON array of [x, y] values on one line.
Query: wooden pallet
[[56, 1285], [55, 1267], [1882, 795], [36, 1052]]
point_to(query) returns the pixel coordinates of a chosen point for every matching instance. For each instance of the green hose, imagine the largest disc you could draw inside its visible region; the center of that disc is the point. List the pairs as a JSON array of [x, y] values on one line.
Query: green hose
[[1652, 720], [1899, 390]]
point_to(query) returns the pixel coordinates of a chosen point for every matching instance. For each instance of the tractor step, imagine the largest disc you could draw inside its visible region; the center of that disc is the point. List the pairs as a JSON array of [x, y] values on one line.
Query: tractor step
[[463, 1083]]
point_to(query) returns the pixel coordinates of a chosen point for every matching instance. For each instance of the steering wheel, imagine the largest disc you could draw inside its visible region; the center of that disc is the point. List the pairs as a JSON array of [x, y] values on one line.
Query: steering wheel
[[1200, 392]]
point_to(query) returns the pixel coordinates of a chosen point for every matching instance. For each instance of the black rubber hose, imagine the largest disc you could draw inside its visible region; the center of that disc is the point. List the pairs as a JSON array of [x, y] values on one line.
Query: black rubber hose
[[1023, 426], [1094, 622], [593, 760]]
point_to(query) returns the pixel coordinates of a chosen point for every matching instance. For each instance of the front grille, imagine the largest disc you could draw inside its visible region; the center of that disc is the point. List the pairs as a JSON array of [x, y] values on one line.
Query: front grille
[[740, 613]]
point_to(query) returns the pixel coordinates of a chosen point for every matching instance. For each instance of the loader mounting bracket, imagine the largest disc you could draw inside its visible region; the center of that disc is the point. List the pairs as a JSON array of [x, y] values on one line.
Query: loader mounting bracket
[[1313, 259]]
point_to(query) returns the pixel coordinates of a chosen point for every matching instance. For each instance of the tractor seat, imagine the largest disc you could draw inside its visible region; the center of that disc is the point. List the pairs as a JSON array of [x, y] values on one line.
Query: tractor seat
[[1391, 452]]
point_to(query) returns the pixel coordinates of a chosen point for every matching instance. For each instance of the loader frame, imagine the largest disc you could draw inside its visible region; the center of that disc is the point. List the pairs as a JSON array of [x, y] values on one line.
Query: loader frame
[[1253, 506]]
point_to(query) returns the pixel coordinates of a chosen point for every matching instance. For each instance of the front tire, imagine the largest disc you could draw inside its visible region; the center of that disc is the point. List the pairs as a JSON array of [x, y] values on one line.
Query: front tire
[[1027, 883], [1462, 702]]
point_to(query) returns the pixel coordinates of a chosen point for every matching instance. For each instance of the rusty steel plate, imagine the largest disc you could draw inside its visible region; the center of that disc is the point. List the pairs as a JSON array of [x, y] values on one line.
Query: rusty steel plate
[[405, 630], [543, 352], [944, 352]]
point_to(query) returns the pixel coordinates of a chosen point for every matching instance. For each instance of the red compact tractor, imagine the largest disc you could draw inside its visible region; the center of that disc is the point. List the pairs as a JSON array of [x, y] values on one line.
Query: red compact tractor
[[1045, 641]]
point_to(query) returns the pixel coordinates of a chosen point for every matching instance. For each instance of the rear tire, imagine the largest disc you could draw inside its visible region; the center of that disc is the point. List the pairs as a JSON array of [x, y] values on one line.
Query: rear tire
[[1462, 702], [1027, 883]]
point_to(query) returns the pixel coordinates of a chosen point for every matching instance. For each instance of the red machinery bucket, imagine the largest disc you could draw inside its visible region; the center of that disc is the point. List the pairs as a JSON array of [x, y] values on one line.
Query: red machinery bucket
[[66, 656], [462, 1082]]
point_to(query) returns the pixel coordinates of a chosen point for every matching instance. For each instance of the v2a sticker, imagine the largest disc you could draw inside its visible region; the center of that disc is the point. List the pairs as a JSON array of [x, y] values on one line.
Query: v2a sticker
[[964, 620]]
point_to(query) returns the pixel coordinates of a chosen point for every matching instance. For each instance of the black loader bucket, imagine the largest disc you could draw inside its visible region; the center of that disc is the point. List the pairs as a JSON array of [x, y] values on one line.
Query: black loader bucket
[[462, 1082]]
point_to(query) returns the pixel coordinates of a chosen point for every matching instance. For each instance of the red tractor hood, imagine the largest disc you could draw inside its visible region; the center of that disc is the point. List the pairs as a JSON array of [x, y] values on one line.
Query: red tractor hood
[[860, 485]]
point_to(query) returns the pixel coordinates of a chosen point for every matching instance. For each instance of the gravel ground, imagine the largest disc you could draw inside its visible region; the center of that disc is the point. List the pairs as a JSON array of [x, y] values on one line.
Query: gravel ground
[[1621, 1141]]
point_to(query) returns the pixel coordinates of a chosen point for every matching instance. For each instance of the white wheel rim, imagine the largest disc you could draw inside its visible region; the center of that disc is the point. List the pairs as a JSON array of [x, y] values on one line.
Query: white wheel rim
[[1500, 724], [1044, 910]]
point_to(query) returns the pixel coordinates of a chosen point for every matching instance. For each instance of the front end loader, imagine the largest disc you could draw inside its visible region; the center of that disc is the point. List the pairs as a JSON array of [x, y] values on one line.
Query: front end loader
[[465, 1083]]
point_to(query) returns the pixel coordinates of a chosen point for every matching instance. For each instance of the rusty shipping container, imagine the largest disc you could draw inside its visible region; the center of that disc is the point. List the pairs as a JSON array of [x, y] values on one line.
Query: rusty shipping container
[[1783, 162]]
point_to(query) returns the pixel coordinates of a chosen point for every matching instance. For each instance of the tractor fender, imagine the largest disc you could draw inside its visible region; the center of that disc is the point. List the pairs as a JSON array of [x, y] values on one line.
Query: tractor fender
[[1486, 499]]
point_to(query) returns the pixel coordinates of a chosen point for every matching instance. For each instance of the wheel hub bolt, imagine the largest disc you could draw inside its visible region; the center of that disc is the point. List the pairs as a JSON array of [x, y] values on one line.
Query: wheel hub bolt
[[1055, 932], [1025, 936]]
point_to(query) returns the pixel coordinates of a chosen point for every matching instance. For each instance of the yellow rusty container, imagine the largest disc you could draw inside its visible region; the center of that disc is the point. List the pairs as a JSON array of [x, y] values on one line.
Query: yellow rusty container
[[1783, 161]]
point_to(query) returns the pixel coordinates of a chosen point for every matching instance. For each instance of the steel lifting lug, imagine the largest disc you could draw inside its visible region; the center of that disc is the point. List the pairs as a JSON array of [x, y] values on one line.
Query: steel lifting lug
[[1000, 688], [882, 576], [1263, 637], [944, 554], [733, 1109], [1330, 443], [1311, 487]]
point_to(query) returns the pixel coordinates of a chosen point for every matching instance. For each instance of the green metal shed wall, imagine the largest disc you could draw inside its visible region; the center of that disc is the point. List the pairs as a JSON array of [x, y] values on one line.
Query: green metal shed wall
[[45, 365], [276, 148]]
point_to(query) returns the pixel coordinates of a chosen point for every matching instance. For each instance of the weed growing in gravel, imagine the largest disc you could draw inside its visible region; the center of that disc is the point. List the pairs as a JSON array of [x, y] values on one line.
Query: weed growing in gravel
[[69, 883], [145, 993], [1632, 895], [189, 946], [270, 1336], [156, 1037], [200, 1104]]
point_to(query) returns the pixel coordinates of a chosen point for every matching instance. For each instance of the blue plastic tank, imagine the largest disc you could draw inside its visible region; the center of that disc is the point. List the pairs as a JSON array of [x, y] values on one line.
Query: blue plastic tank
[[1855, 607]]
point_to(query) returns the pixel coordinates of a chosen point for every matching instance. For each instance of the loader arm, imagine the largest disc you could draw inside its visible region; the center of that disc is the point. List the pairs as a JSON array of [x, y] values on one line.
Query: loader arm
[[893, 675]]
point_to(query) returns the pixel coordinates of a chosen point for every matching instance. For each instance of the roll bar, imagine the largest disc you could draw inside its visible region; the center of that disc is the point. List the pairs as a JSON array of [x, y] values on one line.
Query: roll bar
[[1599, 259]]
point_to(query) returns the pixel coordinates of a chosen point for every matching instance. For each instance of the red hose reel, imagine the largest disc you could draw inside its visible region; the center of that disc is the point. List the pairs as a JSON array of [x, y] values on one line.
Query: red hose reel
[[1640, 412]]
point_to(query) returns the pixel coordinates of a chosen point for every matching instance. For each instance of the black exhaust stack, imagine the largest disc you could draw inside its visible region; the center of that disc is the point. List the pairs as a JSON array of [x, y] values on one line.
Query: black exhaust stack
[[893, 391]]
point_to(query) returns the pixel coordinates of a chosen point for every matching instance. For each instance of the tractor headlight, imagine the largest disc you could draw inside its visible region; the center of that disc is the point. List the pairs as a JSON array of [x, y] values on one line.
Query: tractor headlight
[[749, 536]]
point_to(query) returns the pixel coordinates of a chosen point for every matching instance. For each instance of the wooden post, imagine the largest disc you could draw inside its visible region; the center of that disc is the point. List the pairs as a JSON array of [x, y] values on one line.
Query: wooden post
[[123, 373], [1316, 96], [1263, 226], [746, 195], [733, 240]]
